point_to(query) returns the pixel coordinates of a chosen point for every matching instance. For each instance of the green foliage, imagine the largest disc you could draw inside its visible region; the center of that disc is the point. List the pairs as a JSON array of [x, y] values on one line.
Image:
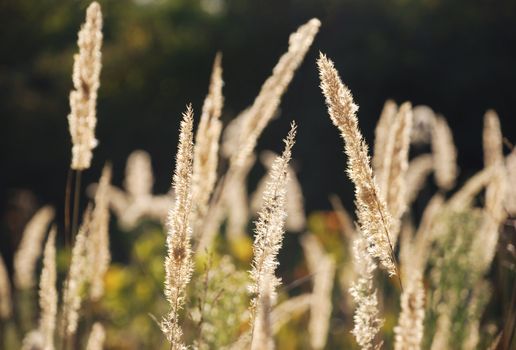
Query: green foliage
[[219, 303], [134, 294], [216, 312], [459, 293]]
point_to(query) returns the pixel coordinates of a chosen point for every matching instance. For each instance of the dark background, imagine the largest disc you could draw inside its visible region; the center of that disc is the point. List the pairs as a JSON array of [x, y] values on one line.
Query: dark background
[[456, 56]]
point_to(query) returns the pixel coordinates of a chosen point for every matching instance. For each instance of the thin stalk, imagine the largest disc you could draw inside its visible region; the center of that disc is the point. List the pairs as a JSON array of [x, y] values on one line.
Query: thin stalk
[[391, 248], [77, 193], [508, 143], [63, 342], [68, 195]]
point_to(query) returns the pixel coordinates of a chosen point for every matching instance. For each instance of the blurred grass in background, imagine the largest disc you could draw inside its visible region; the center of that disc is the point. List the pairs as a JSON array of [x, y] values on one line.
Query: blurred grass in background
[[456, 56]]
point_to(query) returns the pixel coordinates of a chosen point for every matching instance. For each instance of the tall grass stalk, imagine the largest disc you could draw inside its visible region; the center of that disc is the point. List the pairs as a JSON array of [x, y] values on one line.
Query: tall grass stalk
[[269, 233], [374, 219], [178, 262]]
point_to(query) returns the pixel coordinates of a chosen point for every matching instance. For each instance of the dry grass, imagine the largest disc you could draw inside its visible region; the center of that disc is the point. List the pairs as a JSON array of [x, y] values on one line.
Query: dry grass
[[210, 300]]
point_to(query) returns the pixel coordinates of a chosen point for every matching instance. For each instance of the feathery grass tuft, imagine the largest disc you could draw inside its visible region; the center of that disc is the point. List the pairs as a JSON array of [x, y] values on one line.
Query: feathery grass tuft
[[206, 148], [96, 338], [83, 99], [366, 319], [374, 219], [396, 166], [322, 267], [296, 219], [30, 248], [178, 263], [98, 239], [5, 292], [445, 154], [410, 328], [76, 279], [381, 134], [269, 235], [48, 292], [492, 139]]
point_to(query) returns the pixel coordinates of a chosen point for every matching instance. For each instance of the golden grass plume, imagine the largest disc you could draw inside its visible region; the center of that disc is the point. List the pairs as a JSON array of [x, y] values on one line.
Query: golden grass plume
[[83, 99], [374, 219], [178, 262], [269, 236], [30, 247]]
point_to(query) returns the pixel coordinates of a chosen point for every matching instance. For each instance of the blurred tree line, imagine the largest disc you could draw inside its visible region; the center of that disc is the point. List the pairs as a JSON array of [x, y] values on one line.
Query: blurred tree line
[[456, 56]]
